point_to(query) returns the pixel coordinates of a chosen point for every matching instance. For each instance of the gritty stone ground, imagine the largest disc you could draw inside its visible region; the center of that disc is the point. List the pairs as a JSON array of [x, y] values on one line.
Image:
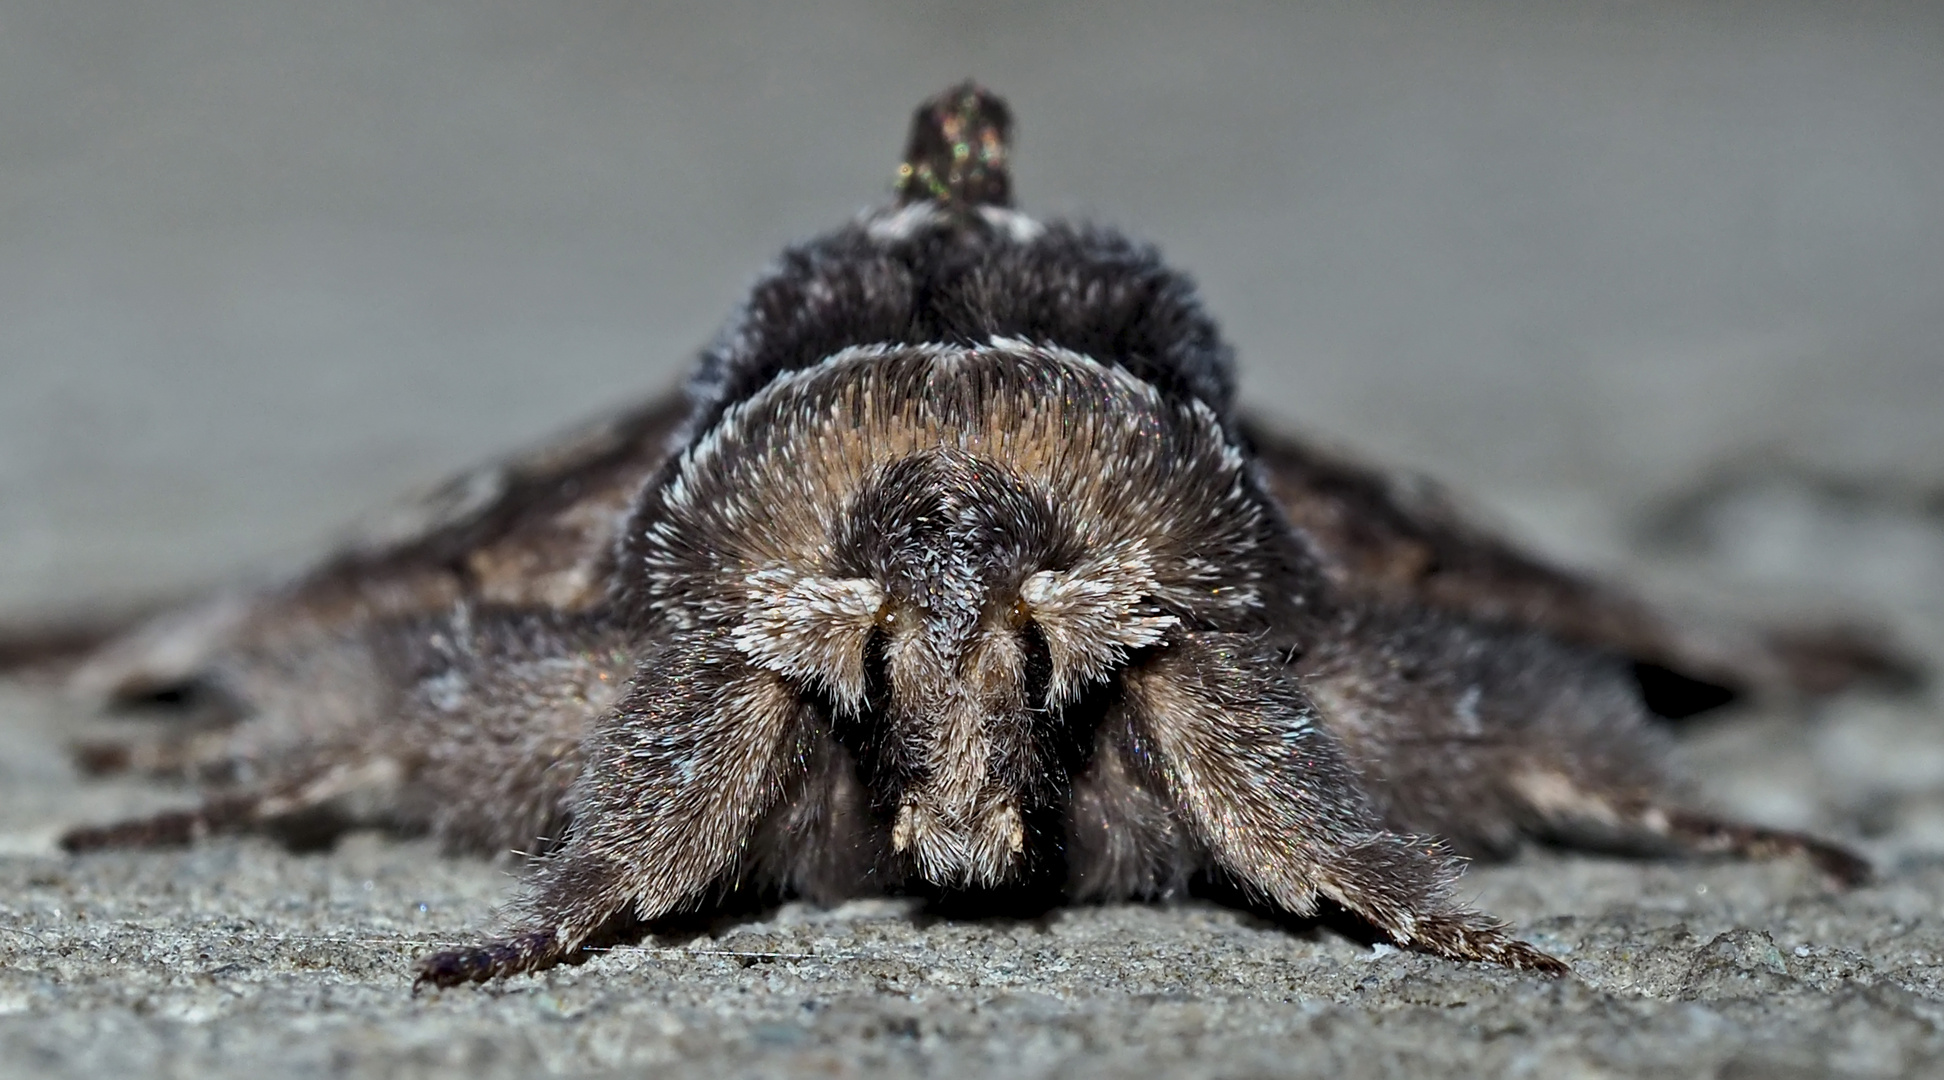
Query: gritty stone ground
[[240, 959]]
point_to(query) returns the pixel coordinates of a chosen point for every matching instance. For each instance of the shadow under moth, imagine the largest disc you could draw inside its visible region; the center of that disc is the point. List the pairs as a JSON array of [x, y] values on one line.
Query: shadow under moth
[[955, 573]]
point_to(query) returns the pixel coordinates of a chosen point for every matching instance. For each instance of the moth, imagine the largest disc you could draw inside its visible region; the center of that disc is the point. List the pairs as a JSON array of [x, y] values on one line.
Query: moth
[[956, 573]]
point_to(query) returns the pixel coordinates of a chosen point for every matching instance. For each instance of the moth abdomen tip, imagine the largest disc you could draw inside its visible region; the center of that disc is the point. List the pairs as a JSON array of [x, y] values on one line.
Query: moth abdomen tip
[[959, 149]]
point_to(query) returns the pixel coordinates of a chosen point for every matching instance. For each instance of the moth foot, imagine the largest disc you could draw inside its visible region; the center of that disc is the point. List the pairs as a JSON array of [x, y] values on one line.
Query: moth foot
[[521, 954], [1472, 937]]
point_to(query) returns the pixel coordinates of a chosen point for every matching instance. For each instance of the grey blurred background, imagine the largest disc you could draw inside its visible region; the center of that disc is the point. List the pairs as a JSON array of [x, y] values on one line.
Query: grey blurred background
[[265, 265]]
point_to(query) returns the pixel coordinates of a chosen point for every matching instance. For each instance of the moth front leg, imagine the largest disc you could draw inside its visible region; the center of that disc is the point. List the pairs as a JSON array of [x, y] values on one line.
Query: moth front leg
[[1266, 790], [676, 779]]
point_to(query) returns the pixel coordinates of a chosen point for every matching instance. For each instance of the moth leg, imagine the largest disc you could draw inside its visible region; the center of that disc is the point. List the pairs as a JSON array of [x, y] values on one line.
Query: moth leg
[[245, 810], [1646, 822], [240, 810], [1702, 834], [1265, 789], [1487, 735], [1584, 812], [170, 828], [677, 778]]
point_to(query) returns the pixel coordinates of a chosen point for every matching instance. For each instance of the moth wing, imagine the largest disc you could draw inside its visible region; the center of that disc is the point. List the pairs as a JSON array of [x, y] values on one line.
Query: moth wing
[[1400, 538], [533, 531]]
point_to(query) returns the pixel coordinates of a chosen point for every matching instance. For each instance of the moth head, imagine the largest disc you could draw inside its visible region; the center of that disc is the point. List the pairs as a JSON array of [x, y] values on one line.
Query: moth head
[[951, 553], [960, 621]]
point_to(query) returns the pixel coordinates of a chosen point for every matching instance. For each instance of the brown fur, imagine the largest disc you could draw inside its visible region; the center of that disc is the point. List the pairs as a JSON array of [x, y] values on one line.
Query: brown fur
[[959, 576]]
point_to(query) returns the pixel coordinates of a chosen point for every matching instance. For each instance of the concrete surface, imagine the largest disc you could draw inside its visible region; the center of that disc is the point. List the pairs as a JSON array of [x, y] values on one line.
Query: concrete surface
[[1659, 283]]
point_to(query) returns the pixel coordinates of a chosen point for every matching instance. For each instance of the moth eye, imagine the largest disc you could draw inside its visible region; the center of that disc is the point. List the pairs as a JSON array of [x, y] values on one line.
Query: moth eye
[[888, 617], [1020, 615]]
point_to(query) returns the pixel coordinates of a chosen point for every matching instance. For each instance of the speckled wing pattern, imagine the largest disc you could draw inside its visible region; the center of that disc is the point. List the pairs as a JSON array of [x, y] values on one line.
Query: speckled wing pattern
[[1400, 537], [533, 531]]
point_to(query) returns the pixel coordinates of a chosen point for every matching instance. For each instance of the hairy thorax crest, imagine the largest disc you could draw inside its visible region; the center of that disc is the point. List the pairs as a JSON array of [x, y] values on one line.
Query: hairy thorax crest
[[944, 548]]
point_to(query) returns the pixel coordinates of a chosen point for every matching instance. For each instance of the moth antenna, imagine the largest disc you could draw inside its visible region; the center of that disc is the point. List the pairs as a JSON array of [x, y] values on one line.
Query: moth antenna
[[959, 149]]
